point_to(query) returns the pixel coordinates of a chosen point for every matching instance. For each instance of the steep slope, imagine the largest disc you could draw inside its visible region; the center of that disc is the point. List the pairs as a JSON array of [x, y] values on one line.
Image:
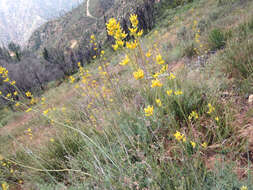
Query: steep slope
[[171, 114], [76, 26], [18, 19]]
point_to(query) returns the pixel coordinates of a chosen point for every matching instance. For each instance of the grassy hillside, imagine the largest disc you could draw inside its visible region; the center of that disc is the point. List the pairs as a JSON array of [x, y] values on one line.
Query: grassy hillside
[[171, 109]]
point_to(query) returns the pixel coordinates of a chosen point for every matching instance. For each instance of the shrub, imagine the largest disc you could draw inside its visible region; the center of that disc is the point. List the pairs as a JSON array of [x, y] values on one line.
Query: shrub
[[189, 50], [238, 58], [216, 39]]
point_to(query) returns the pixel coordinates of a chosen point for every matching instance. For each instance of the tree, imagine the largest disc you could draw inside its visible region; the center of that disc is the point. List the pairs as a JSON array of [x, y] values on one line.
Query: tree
[[15, 48]]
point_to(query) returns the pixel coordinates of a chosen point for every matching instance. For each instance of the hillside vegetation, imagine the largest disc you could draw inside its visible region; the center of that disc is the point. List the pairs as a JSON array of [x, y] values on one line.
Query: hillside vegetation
[[163, 102]]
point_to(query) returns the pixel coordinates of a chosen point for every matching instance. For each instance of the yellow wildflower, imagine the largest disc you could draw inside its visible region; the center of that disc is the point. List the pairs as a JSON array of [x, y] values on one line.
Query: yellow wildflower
[[169, 92], [163, 69], [133, 30], [156, 75], [17, 104], [115, 47], [149, 111], [45, 112], [204, 145], [125, 61], [6, 80], [72, 79], [92, 37], [140, 33], [13, 82], [4, 186], [120, 43], [159, 59], [244, 187], [33, 101], [179, 136], [131, 45], [139, 74], [148, 54], [28, 94], [178, 92], [15, 93], [172, 76], [156, 83], [194, 115], [217, 119], [158, 102], [134, 20], [28, 110], [193, 144], [211, 108]]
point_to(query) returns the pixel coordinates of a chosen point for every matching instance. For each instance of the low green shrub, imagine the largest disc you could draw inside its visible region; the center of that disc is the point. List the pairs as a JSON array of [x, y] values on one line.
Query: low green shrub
[[216, 39]]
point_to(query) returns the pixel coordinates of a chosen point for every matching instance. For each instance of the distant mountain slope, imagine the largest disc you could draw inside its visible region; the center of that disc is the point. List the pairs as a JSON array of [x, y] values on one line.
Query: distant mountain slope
[[19, 18], [74, 28]]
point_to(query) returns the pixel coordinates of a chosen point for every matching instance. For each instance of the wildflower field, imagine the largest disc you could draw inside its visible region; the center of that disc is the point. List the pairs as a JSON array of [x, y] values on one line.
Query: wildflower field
[[164, 109]]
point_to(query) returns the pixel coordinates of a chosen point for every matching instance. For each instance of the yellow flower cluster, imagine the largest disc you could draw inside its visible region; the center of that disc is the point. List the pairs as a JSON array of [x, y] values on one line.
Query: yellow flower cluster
[[211, 109], [139, 74], [169, 92], [148, 54], [172, 76], [156, 83], [125, 61], [158, 102], [193, 144], [193, 115], [4, 75], [132, 45], [159, 59], [133, 31], [114, 29], [204, 145], [149, 111], [29, 133], [94, 44], [197, 37], [72, 79], [180, 136], [178, 92]]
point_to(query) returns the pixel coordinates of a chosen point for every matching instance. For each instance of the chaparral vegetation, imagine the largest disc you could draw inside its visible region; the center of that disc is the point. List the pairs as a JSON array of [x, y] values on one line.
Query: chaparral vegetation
[[157, 96]]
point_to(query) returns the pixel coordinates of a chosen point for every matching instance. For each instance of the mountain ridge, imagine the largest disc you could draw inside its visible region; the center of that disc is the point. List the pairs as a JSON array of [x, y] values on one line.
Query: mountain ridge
[[19, 19]]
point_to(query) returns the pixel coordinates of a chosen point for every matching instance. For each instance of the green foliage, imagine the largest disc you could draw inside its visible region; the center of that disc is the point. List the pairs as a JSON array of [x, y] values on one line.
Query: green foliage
[[189, 50], [217, 39], [238, 58]]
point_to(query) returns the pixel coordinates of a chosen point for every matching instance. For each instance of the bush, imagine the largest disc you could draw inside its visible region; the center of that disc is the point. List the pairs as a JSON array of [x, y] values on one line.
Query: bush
[[238, 58], [217, 39], [189, 50]]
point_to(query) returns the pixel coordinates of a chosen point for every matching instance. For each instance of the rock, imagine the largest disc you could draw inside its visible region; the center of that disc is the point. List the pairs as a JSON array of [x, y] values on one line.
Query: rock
[[251, 99]]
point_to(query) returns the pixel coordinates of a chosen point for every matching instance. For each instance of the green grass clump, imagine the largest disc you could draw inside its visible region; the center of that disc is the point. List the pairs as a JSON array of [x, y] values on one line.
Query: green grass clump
[[216, 39], [238, 58]]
